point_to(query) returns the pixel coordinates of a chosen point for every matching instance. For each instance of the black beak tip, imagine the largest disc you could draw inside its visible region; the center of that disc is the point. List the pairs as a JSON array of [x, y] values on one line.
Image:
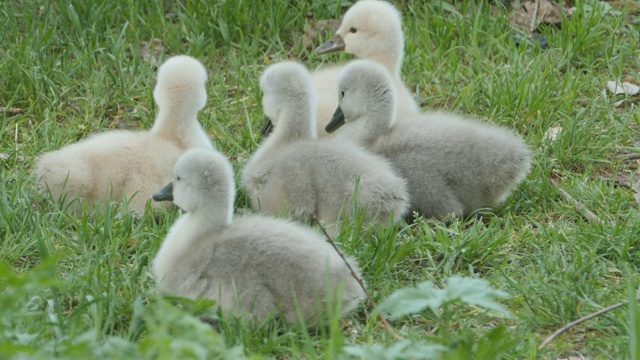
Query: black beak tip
[[337, 120], [268, 128], [166, 194]]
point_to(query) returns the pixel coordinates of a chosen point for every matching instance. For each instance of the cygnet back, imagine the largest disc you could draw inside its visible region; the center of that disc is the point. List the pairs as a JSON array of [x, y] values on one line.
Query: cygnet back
[[315, 179], [452, 164], [252, 266], [131, 165]]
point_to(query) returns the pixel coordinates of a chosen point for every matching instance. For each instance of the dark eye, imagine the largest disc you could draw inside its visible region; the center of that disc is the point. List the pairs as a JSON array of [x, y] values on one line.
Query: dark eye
[[342, 93], [178, 178], [353, 30]]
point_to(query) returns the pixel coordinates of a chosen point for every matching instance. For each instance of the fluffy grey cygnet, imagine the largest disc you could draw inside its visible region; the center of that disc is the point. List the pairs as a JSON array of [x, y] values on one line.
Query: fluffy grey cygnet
[[372, 30], [453, 165], [315, 179], [252, 265], [126, 164]]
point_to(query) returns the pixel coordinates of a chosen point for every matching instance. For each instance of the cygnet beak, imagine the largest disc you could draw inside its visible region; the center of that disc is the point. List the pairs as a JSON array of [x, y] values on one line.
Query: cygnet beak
[[268, 128], [336, 43], [166, 194], [336, 121]]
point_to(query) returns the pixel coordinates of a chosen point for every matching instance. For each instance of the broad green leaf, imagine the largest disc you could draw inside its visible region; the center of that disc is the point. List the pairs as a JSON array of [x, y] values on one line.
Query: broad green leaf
[[412, 300], [474, 291], [466, 290]]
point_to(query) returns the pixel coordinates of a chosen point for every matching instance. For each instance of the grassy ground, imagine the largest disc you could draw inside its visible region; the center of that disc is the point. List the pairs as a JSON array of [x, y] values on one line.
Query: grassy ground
[[82, 287]]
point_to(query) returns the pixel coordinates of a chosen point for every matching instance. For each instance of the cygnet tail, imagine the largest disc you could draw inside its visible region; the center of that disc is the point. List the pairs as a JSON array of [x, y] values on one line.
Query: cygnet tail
[[61, 176], [514, 169]]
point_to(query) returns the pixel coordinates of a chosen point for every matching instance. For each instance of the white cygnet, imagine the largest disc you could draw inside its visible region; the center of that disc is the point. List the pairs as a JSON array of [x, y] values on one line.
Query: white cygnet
[[131, 165]]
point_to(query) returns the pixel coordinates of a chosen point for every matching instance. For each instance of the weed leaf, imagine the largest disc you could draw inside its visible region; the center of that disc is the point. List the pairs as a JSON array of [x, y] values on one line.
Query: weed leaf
[[475, 292], [467, 290]]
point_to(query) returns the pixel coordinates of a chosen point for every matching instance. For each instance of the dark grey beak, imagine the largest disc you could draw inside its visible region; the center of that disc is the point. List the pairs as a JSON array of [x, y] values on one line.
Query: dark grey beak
[[166, 194], [336, 121], [336, 43], [268, 128]]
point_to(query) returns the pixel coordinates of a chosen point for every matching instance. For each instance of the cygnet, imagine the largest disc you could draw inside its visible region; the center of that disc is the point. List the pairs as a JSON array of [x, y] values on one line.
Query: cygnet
[[131, 165], [253, 266], [453, 165], [308, 179]]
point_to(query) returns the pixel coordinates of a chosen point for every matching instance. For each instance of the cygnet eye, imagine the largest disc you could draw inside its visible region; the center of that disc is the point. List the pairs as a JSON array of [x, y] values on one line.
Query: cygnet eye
[[342, 93], [353, 30], [178, 178]]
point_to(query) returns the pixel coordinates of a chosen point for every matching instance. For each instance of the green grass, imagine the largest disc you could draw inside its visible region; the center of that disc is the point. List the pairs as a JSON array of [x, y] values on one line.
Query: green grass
[[81, 287]]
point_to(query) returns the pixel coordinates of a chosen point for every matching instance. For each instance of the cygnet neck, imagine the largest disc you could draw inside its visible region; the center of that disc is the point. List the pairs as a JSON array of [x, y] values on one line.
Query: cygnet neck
[[295, 124], [212, 218], [177, 123], [391, 61], [368, 128], [215, 212]]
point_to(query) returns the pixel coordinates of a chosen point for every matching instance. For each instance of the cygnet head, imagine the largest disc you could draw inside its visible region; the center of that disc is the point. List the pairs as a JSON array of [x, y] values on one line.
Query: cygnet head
[[181, 83], [289, 96], [366, 101], [202, 183], [371, 29]]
